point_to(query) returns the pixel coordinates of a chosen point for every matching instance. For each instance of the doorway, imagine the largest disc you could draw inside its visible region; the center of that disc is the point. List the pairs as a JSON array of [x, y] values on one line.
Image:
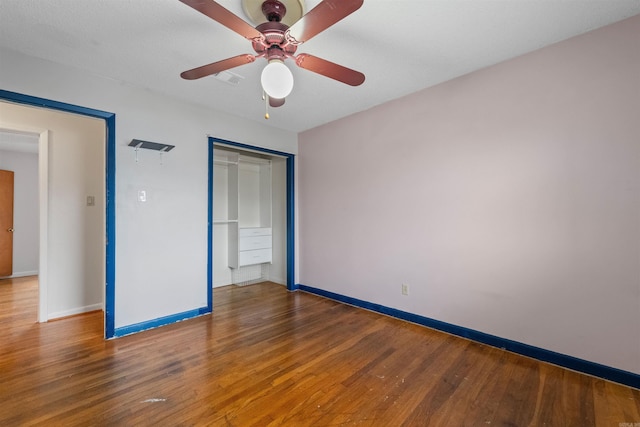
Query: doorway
[[6, 222], [19, 223], [86, 206], [265, 207]]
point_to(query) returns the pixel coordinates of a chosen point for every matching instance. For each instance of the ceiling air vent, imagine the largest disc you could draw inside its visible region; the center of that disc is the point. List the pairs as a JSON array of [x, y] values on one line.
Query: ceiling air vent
[[229, 78]]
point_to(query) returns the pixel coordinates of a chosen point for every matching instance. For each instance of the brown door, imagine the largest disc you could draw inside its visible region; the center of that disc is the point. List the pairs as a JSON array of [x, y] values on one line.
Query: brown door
[[6, 223]]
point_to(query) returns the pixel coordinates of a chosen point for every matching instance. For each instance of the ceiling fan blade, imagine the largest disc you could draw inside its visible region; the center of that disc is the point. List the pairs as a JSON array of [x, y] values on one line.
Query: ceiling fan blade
[[218, 13], [217, 67], [321, 17], [274, 102], [330, 69]]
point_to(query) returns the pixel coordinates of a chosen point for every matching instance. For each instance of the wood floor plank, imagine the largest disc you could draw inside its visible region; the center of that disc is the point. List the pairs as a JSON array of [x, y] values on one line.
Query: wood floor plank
[[268, 357]]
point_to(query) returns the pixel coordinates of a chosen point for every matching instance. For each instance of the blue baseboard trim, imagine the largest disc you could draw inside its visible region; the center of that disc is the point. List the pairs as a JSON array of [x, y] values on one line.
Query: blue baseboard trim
[[580, 365], [161, 321]]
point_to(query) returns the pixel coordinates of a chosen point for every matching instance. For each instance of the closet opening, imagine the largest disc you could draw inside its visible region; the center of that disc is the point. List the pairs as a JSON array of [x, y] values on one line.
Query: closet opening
[[251, 215]]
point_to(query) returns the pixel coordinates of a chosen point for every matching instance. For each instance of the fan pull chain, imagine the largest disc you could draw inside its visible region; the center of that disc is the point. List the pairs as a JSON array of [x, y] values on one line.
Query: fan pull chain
[[266, 105]]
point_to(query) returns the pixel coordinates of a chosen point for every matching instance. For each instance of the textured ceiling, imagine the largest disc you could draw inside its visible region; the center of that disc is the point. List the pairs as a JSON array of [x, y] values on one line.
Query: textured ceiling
[[401, 46]]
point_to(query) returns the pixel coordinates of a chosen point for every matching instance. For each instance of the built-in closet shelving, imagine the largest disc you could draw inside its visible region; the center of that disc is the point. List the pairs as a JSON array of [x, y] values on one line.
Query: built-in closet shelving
[[248, 213]]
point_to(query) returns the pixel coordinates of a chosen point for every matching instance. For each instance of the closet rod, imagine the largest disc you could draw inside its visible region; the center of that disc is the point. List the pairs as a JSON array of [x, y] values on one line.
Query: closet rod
[[254, 160], [224, 162]]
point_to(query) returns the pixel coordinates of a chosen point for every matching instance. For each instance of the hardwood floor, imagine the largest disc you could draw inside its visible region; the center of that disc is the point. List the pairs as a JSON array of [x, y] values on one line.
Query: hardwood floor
[[269, 357]]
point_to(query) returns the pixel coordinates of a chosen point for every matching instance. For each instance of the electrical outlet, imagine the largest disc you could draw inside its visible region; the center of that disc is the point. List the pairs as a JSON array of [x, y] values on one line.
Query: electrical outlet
[[405, 289]]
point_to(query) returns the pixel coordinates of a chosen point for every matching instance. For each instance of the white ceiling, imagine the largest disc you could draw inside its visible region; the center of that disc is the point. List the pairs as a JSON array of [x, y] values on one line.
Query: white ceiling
[[402, 46], [18, 141]]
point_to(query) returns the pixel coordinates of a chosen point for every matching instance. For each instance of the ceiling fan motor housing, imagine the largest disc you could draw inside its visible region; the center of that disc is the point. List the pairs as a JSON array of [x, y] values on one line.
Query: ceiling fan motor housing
[[273, 10], [274, 45]]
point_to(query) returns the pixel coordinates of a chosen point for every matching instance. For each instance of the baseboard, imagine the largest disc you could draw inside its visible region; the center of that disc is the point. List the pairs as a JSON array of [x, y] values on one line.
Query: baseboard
[[580, 365], [161, 321], [74, 311], [21, 274], [278, 280]]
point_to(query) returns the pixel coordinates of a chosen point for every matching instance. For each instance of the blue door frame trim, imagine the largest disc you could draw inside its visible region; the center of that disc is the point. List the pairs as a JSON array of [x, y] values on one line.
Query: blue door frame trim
[[563, 360], [110, 195], [210, 229], [290, 158]]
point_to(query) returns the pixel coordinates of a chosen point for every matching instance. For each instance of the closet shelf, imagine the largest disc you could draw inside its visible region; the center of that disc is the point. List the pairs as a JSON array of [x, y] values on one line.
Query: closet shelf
[[225, 221], [255, 160]]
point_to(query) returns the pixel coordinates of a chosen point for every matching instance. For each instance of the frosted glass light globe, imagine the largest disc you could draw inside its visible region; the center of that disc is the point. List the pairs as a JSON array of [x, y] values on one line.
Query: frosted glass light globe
[[277, 79]]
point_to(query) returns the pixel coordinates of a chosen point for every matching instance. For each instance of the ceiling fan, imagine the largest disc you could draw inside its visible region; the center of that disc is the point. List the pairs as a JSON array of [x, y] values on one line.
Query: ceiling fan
[[277, 41]]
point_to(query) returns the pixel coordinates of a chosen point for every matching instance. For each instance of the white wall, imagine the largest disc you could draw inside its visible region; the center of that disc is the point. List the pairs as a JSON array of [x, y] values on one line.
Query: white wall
[[25, 209], [161, 245], [76, 150], [508, 200]]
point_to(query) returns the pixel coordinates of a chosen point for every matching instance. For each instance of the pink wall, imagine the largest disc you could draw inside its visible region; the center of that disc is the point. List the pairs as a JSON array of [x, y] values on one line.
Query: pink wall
[[508, 200]]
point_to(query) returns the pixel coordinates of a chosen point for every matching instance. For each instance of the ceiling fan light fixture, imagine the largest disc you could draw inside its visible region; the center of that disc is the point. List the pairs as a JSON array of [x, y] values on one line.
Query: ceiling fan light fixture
[[277, 79]]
